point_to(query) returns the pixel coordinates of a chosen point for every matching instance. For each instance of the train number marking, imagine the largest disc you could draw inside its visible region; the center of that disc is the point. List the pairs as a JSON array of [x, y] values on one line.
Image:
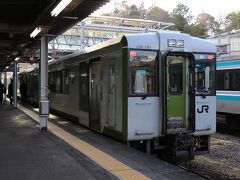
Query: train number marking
[[204, 108]]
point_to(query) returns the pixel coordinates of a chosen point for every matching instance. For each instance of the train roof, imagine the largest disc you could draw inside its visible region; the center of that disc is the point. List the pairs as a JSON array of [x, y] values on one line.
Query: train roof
[[151, 41], [228, 57], [228, 61], [191, 44]]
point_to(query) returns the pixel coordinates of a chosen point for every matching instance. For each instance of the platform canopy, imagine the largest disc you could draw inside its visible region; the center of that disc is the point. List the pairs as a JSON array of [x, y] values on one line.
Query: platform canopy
[[19, 18]]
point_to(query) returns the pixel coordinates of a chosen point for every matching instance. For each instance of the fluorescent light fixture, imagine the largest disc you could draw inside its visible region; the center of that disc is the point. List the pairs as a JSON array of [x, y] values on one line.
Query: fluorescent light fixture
[[17, 58], [60, 7], [35, 32]]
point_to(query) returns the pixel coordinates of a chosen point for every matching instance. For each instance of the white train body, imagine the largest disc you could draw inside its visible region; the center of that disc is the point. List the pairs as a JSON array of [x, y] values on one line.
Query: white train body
[[140, 87], [228, 91]]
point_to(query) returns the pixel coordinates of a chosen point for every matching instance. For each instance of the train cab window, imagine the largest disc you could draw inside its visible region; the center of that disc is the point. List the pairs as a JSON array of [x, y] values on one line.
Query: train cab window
[[205, 68], [143, 73]]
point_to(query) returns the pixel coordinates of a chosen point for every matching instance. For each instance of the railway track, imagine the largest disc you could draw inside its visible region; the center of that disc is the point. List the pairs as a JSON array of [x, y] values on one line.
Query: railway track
[[223, 162], [194, 172], [227, 131]]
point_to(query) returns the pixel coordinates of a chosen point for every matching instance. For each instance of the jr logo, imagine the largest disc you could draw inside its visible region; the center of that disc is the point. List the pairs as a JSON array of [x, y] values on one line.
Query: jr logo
[[204, 108]]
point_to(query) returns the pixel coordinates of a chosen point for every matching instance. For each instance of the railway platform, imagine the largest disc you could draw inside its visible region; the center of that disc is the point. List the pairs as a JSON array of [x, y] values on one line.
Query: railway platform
[[70, 151]]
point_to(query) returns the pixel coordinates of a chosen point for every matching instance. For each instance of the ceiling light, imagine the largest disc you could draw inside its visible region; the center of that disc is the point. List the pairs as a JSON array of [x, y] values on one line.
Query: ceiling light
[[60, 7], [35, 32]]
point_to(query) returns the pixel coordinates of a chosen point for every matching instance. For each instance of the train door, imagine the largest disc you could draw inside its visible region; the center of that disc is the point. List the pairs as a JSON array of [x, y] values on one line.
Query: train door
[[177, 96], [95, 93], [111, 101]]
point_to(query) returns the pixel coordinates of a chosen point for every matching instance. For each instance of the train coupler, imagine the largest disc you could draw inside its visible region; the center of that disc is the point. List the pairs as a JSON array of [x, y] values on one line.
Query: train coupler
[[179, 148]]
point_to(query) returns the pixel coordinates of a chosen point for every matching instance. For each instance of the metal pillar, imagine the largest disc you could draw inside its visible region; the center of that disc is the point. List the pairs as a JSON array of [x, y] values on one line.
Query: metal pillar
[[5, 84], [44, 103], [15, 84]]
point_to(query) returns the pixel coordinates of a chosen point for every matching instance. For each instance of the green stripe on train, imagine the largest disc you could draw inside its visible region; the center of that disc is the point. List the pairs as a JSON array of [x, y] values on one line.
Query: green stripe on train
[[228, 98]]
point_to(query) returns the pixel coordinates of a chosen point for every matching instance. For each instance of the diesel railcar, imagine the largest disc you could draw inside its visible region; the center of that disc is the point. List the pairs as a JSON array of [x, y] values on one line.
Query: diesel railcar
[[228, 91], [156, 88]]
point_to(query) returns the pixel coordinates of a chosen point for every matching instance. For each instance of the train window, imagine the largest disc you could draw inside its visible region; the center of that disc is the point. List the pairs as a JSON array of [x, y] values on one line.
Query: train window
[[220, 80], [143, 72], [205, 74], [51, 82], [66, 81], [58, 82], [84, 86], [236, 80], [175, 68], [228, 80]]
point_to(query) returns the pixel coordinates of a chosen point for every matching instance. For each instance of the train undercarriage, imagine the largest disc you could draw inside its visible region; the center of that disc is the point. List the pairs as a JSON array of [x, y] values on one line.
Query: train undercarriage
[[177, 148]]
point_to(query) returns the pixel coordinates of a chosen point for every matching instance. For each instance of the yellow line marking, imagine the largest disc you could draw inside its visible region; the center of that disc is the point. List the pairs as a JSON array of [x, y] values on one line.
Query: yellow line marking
[[117, 168]]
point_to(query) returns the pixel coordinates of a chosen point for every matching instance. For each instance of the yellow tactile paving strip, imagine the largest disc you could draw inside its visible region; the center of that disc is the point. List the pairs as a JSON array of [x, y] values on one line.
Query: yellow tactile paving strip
[[106, 161]]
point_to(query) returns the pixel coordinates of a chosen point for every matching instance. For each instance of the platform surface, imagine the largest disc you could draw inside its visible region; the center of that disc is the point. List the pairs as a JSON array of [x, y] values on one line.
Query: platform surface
[[27, 153]]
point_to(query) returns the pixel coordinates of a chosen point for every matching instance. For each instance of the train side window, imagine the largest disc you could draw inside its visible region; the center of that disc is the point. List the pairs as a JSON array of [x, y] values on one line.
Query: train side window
[[58, 82], [228, 80], [84, 86], [143, 73], [51, 82], [66, 81], [220, 80], [236, 80]]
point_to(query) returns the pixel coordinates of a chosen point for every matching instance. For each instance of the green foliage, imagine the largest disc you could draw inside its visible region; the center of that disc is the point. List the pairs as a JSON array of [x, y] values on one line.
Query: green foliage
[[155, 13], [209, 21], [232, 21], [182, 11], [129, 11], [181, 17], [198, 30]]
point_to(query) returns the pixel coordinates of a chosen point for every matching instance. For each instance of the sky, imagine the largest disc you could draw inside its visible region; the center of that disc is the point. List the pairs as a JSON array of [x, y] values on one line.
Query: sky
[[217, 8]]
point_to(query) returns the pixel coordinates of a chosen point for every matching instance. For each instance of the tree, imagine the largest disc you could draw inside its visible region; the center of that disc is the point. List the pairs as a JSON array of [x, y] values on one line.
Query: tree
[[124, 10], [181, 17], [155, 13], [232, 21], [134, 12], [205, 19], [211, 25], [198, 30]]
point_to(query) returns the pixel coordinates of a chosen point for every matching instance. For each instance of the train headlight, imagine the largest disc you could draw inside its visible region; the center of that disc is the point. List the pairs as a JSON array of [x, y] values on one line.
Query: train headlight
[[175, 43], [172, 42], [180, 43]]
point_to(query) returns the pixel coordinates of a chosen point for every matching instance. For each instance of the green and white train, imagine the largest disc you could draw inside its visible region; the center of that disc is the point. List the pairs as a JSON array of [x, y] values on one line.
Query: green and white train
[[154, 88]]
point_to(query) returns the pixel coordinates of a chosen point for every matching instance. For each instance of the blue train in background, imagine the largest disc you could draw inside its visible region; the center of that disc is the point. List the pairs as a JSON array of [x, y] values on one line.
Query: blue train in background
[[228, 92]]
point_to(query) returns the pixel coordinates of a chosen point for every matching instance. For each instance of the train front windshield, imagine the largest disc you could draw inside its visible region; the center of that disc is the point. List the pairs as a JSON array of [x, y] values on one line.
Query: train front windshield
[[143, 73], [205, 68]]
